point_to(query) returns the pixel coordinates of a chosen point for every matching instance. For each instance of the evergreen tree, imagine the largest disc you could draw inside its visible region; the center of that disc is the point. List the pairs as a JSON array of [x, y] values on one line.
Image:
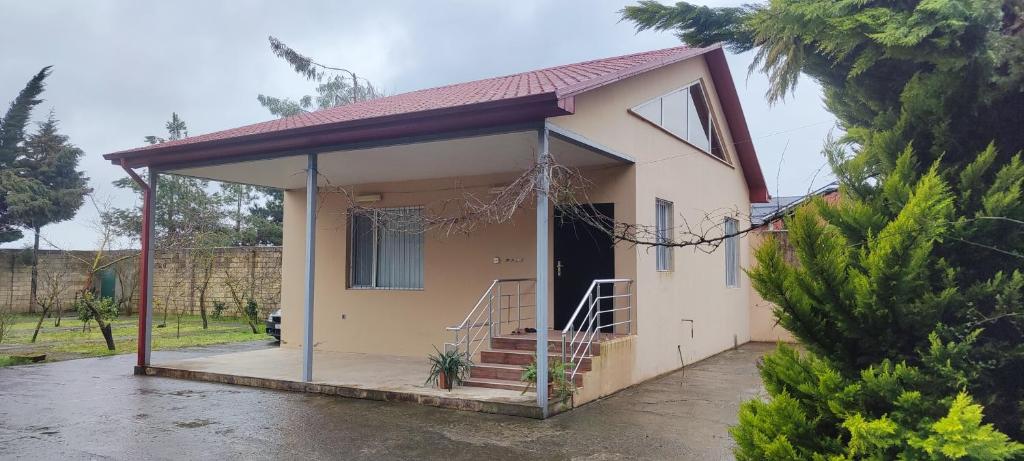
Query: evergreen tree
[[186, 211], [12, 136], [264, 223], [909, 292], [50, 161]]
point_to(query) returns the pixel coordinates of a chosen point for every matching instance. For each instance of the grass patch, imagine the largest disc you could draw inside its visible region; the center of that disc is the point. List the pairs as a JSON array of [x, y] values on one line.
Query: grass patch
[[72, 339], [6, 361]]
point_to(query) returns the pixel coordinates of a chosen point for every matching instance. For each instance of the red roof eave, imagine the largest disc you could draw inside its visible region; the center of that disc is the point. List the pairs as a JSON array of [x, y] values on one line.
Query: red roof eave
[[313, 138], [737, 122]]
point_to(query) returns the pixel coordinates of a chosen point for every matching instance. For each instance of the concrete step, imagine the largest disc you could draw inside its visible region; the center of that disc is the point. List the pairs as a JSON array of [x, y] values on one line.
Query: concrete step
[[520, 358], [495, 371], [506, 372], [530, 344], [495, 384]]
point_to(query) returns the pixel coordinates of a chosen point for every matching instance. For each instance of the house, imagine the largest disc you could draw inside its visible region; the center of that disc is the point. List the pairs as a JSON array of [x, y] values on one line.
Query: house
[[659, 137], [769, 219]]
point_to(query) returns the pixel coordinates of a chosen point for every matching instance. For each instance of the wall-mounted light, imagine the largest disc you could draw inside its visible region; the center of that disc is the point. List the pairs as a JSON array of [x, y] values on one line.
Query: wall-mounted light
[[497, 190], [368, 198]]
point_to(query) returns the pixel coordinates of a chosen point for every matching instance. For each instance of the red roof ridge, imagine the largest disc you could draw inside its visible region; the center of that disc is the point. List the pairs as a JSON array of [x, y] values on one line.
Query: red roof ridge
[[518, 98]]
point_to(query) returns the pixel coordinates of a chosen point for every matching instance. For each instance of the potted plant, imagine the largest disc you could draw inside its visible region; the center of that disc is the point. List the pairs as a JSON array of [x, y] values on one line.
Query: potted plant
[[559, 386], [448, 368]]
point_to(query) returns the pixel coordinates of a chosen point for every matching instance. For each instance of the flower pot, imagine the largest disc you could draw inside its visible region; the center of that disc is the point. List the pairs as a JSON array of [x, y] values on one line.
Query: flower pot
[[442, 381]]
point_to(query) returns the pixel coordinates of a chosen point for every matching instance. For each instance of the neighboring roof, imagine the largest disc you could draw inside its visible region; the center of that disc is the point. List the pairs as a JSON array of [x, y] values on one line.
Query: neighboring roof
[[777, 207], [522, 97]]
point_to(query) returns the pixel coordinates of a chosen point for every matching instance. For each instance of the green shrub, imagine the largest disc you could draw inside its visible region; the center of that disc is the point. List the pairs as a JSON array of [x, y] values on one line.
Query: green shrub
[[218, 309], [88, 305], [558, 378], [891, 411]]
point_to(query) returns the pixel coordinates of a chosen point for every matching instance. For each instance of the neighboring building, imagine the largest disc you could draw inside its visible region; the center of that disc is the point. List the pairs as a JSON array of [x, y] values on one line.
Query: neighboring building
[[660, 135], [769, 216]]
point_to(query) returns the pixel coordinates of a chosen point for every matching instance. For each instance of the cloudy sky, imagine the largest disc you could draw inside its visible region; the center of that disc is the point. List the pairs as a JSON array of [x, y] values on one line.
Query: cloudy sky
[[121, 68]]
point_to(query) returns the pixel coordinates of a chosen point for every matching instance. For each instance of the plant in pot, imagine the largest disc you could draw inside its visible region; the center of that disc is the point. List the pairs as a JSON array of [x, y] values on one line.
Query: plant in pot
[[448, 368], [560, 388]]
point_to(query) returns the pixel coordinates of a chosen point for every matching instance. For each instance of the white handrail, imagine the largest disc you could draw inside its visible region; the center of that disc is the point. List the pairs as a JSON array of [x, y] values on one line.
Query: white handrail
[[470, 330], [592, 321]]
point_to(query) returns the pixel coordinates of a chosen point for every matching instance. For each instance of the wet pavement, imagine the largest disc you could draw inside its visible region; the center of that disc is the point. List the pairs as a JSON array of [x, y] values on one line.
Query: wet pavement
[[95, 409]]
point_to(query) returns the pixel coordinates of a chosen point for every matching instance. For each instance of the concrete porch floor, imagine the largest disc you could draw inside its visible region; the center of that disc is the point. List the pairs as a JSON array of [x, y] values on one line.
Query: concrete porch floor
[[366, 376]]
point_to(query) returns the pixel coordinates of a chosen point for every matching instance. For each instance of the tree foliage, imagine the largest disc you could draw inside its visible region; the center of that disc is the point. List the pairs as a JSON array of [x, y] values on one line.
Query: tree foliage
[[335, 86], [50, 160], [12, 138], [908, 294], [191, 212], [945, 74]]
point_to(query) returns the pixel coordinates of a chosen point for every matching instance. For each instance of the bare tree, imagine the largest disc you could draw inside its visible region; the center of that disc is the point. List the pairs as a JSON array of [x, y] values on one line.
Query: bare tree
[[127, 273], [6, 321], [53, 286], [244, 290], [178, 293], [103, 257]]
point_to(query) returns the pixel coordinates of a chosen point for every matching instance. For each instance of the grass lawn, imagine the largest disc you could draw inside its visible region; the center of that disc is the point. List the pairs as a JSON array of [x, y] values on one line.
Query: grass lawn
[[70, 340]]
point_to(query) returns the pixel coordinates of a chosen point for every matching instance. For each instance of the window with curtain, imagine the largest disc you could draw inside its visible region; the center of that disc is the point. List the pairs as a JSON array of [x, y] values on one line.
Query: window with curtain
[[732, 253], [686, 114], [663, 233], [386, 249]]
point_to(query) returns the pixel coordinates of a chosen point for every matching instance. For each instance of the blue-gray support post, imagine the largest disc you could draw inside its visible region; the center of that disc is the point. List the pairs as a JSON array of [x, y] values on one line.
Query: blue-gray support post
[[154, 178], [307, 341], [543, 183]]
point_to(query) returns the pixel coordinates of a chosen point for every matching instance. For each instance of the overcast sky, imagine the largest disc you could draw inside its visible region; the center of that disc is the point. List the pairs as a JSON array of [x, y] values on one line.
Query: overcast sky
[[120, 68]]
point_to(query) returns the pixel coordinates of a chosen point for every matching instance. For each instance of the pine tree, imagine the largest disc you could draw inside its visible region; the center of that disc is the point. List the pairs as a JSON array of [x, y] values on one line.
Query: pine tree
[[335, 86], [12, 136], [49, 160]]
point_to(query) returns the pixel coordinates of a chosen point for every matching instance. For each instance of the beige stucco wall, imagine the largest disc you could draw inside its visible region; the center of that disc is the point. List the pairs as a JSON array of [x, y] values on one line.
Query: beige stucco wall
[[611, 371], [457, 268], [696, 183], [763, 323]]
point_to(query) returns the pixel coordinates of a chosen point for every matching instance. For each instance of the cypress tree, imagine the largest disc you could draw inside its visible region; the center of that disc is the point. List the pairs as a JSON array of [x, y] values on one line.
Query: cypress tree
[[908, 294]]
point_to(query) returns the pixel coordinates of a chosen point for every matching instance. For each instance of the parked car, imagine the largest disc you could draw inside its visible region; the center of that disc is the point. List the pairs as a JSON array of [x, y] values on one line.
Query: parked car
[[274, 324]]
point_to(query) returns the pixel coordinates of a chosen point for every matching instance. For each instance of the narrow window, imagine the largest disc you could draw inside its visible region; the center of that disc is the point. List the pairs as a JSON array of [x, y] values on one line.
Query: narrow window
[[386, 247], [686, 114], [662, 233], [732, 253]]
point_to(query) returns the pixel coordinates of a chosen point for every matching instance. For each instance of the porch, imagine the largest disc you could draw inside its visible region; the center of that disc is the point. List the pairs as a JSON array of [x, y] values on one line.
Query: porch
[[360, 316], [605, 370], [355, 375]]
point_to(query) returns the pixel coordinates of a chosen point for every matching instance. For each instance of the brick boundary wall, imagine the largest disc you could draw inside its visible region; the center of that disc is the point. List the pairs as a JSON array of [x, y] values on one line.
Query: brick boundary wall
[[177, 281]]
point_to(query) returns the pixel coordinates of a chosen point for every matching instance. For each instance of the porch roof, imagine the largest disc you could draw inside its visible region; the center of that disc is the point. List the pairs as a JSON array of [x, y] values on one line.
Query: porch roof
[[528, 97]]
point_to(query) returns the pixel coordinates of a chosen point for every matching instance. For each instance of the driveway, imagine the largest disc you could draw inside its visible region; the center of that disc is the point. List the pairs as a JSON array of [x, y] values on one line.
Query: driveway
[[95, 409]]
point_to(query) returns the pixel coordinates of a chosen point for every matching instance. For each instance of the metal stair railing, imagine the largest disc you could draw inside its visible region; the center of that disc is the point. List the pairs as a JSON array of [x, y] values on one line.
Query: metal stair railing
[[581, 340], [495, 309]]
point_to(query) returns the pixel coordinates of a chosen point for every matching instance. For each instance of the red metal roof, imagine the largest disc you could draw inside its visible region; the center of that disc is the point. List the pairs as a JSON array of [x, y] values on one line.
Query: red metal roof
[[518, 97]]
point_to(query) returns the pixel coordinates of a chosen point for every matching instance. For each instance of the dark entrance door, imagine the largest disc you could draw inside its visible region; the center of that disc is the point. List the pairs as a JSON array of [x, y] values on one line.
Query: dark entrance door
[[582, 253]]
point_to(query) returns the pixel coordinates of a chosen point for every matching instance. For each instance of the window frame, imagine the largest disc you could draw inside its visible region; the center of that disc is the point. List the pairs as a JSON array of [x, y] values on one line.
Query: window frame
[[375, 247], [712, 117], [732, 253], [664, 256]]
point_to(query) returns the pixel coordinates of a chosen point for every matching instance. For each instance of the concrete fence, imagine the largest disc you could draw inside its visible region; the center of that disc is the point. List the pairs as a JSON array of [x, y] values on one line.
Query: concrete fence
[[182, 279]]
